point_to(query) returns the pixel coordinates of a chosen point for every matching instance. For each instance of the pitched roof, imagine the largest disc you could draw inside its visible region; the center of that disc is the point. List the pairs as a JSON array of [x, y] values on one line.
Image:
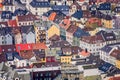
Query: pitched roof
[[39, 46], [78, 14], [115, 54], [108, 36], [79, 33], [27, 29], [54, 38], [28, 17], [72, 29], [75, 49], [107, 49], [37, 3], [84, 53], [65, 24], [93, 39], [115, 78], [28, 54]]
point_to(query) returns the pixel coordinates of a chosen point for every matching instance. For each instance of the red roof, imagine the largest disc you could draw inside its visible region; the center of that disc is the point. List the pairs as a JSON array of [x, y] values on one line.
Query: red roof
[[84, 53], [12, 23], [65, 24], [20, 47], [115, 78], [39, 46]]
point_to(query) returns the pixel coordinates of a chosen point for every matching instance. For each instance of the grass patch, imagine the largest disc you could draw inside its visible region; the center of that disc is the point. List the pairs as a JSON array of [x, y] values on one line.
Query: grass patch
[[93, 77]]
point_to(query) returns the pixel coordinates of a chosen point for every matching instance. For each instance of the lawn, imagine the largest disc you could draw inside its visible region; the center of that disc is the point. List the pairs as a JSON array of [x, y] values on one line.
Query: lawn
[[93, 78]]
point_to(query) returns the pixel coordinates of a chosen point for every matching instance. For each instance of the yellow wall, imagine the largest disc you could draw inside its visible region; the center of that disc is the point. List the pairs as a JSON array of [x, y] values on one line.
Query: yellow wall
[[107, 23], [92, 33], [37, 34], [65, 59], [53, 30], [118, 64]]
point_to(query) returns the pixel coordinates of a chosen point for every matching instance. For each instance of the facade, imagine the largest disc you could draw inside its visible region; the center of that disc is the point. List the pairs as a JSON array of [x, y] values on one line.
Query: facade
[[53, 30], [39, 7], [92, 44], [71, 72]]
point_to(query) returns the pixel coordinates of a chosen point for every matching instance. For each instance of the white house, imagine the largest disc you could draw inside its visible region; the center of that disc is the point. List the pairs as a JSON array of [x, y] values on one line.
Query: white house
[[38, 7], [92, 44], [8, 39]]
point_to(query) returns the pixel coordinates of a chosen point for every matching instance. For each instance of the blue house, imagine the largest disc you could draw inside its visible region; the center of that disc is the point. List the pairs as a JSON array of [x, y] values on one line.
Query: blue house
[[6, 15], [20, 12], [105, 8], [78, 14], [77, 35], [63, 8]]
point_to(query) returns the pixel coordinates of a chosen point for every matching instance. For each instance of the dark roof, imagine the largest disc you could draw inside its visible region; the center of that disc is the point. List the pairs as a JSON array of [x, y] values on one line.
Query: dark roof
[[28, 17], [93, 39], [6, 15], [2, 58], [37, 3], [7, 2], [61, 43], [61, 7], [106, 49], [78, 14], [27, 29], [115, 54], [75, 49], [105, 67], [20, 12], [105, 6], [72, 29], [108, 36], [54, 38], [79, 33]]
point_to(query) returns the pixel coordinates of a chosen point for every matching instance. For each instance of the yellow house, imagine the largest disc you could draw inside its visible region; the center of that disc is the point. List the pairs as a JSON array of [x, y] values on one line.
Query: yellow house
[[66, 59], [117, 63], [107, 23], [92, 33], [53, 30]]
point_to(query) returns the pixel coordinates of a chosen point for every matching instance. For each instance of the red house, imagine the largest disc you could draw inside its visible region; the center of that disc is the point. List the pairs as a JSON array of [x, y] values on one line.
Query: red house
[[21, 47], [12, 23]]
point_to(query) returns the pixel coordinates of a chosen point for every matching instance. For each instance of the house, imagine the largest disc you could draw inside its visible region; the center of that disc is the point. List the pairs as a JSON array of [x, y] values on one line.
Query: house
[[109, 37], [107, 21], [46, 73], [70, 32], [17, 35], [77, 35], [64, 25], [8, 5], [69, 69], [12, 23], [39, 51], [28, 34], [6, 15], [92, 44], [39, 7], [75, 51], [7, 48], [6, 36], [53, 30], [105, 8], [65, 59], [1, 7], [56, 16], [63, 8], [16, 60], [26, 20], [84, 6], [20, 12], [77, 15], [74, 7], [116, 22], [117, 10], [66, 50], [108, 53]]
